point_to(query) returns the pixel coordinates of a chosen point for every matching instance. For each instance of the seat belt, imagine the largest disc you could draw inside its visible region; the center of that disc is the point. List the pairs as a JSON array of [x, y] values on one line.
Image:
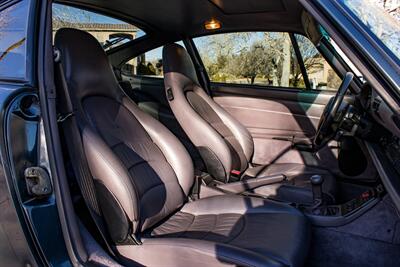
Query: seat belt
[[80, 166]]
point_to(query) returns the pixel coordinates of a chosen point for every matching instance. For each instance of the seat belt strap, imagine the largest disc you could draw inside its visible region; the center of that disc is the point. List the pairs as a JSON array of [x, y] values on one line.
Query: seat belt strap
[[75, 150]]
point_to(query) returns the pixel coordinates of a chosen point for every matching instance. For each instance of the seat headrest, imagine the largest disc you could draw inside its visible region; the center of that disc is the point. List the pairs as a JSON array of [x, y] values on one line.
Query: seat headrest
[[177, 59], [86, 66]]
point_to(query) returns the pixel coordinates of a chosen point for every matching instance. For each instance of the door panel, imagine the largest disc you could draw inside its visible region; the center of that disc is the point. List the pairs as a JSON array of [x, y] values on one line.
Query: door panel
[[272, 112], [272, 115]]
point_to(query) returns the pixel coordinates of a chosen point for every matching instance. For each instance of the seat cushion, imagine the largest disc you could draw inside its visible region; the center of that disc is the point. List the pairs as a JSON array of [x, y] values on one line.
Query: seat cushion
[[226, 230], [297, 187]]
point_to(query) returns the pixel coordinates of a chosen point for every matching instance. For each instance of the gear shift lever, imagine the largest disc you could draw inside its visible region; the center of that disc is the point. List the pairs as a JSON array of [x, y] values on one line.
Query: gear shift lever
[[316, 183]]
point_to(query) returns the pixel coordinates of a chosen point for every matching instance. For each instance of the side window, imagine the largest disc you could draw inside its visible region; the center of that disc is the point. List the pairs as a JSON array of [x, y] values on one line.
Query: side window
[[13, 41], [319, 72], [108, 31], [260, 58], [147, 64]]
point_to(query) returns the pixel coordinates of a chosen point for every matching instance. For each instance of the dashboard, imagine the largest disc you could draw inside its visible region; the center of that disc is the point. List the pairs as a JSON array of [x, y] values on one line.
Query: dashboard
[[382, 114], [382, 140]]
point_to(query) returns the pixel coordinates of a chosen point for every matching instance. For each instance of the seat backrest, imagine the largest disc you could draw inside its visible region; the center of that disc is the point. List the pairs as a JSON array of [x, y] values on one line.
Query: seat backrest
[[223, 142], [142, 173]]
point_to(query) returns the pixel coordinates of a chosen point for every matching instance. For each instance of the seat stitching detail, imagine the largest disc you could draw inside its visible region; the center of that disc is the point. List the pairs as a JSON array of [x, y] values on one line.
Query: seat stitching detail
[[240, 232], [211, 228], [210, 252], [137, 163], [188, 227], [97, 155]]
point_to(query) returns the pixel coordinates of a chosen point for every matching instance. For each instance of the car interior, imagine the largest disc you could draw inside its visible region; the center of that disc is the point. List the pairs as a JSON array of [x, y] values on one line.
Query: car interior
[[180, 152]]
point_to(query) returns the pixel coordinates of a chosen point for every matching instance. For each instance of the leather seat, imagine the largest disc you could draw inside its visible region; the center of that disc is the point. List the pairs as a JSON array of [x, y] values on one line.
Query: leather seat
[[228, 227], [224, 144], [143, 176]]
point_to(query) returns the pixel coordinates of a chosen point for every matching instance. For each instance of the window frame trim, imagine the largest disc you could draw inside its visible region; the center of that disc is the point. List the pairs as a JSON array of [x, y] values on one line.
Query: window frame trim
[[275, 88], [300, 60]]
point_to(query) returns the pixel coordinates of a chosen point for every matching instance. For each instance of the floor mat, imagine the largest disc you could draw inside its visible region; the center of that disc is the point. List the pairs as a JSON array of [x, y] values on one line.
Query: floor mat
[[371, 240], [333, 248]]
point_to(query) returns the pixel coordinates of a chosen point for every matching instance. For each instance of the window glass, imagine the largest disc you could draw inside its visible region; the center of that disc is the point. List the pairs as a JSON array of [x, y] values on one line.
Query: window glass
[[381, 19], [108, 31], [346, 59], [147, 64], [262, 58], [319, 72], [13, 43]]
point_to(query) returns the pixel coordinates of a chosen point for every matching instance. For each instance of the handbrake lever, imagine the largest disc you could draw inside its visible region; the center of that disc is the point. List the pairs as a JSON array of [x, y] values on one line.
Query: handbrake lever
[[299, 145]]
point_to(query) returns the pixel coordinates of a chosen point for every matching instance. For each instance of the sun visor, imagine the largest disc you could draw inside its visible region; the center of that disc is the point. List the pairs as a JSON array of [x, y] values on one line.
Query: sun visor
[[310, 27]]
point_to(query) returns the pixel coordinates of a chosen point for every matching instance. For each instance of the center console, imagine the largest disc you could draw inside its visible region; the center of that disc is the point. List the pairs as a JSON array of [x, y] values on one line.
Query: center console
[[348, 207], [351, 202]]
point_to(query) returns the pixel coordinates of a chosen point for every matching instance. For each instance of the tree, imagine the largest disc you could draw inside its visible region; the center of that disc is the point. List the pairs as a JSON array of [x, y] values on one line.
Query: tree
[[217, 50], [279, 54], [312, 59], [250, 63], [5, 19], [286, 59], [66, 16]]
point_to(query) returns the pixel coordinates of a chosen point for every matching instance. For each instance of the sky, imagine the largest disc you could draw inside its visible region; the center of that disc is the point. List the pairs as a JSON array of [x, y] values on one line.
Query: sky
[[73, 14]]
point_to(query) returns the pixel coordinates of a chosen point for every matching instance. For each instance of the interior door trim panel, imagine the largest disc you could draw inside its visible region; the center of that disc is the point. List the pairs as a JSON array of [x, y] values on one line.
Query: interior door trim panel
[[273, 116]]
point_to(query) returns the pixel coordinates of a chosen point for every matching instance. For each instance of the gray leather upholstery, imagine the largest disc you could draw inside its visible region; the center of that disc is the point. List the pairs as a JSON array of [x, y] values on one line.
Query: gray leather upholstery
[[208, 126], [228, 144], [143, 176], [121, 140], [223, 227]]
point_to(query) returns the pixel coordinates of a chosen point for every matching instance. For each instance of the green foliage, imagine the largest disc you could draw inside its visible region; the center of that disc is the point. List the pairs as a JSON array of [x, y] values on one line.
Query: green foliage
[[261, 58], [249, 63]]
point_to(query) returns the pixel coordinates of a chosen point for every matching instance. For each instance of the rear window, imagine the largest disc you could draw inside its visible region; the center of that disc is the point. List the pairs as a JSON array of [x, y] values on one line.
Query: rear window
[[110, 32]]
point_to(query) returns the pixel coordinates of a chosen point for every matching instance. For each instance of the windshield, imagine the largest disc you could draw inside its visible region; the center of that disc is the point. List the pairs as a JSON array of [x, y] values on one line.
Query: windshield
[[380, 18], [340, 52]]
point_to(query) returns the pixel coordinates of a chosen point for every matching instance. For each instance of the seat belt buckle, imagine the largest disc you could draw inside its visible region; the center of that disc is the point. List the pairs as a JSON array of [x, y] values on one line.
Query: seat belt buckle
[[235, 175]]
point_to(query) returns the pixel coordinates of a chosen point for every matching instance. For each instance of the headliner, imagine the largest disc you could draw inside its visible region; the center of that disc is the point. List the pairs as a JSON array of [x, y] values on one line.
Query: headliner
[[186, 17]]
